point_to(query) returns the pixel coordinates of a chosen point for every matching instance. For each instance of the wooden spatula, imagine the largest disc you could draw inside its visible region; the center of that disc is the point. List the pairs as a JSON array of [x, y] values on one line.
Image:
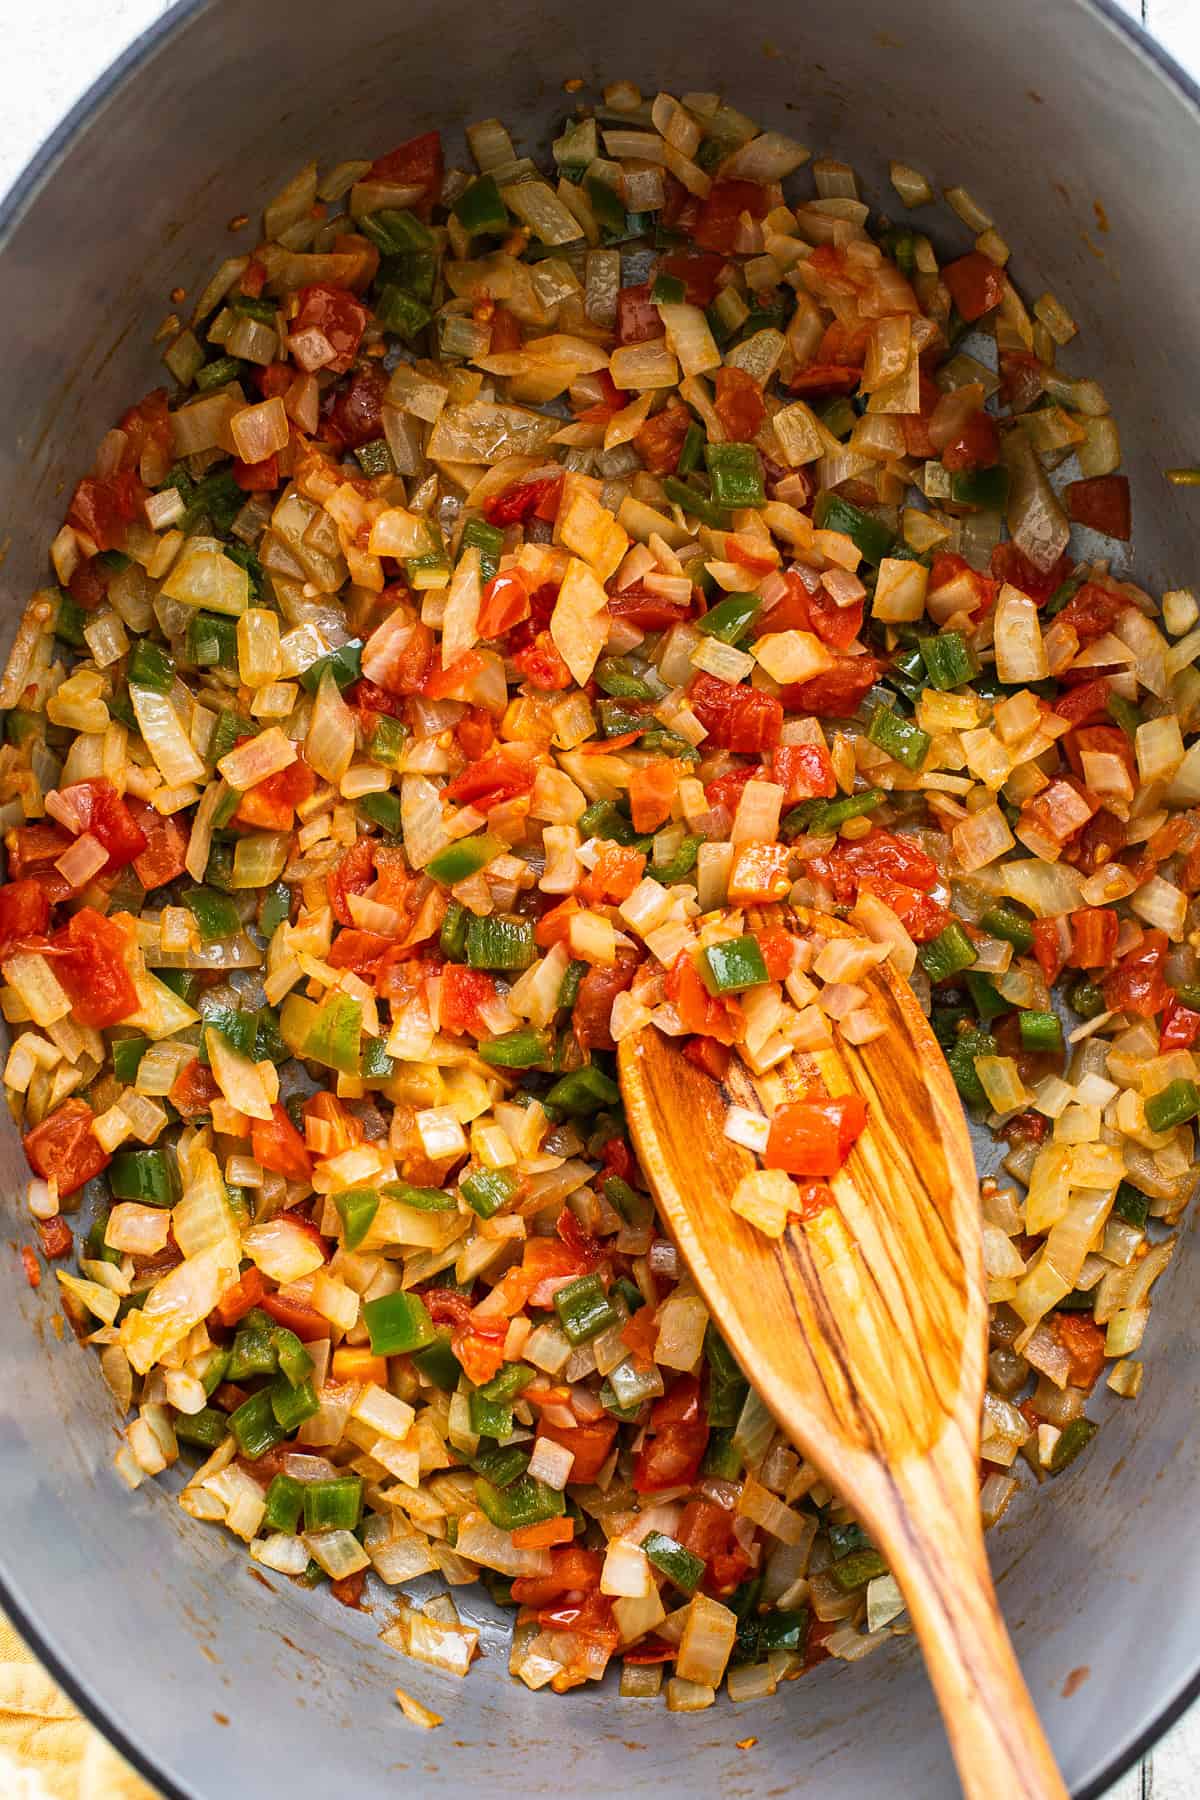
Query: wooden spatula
[[865, 1332]]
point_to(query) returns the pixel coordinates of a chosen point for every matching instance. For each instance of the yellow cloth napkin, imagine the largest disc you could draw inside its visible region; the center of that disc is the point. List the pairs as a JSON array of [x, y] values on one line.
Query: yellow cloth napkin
[[47, 1752]]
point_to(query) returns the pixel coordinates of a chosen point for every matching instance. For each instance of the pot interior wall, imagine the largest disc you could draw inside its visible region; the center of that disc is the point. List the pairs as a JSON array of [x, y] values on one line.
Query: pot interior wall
[[1079, 145]]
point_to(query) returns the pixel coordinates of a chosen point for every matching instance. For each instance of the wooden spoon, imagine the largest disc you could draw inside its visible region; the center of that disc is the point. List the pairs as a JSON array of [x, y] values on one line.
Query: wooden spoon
[[865, 1332]]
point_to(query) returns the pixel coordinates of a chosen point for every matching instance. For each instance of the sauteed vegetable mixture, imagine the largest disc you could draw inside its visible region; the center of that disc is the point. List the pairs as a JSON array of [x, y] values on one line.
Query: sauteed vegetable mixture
[[536, 577]]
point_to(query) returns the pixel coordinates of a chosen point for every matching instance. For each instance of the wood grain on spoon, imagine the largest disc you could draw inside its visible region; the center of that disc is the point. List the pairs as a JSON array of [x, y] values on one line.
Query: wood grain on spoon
[[865, 1332]]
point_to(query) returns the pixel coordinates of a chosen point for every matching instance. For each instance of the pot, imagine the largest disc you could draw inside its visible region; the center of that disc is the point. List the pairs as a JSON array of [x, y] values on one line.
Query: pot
[[1081, 139]]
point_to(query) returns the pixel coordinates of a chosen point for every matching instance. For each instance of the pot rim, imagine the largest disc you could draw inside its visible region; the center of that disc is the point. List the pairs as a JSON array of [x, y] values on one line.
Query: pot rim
[[13, 205]]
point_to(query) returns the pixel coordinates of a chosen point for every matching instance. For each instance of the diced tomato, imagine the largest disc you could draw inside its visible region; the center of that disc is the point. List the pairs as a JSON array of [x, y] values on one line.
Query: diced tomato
[[707, 1530], [336, 313], [1022, 379], [506, 332], [274, 379], [736, 717], [975, 594], [739, 403], [542, 666], [1101, 839], [328, 1127], [1092, 611], [1101, 503], [592, 1010], [1048, 948], [697, 273], [1083, 1341], [101, 810], [1093, 937], [258, 478], [573, 1570], [591, 1443], [164, 858], [836, 626], [88, 586], [464, 991], [1084, 703], [358, 950], [814, 1136], [497, 777], [24, 914], [1008, 563], [652, 789], [650, 612], [475, 733], [276, 1144], [148, 429], [699, 1011], [717, 226], [977, 445], [899, 859], [348, 1589], [31, 1267], [353, 875], [519, 503], [32, 851], [710, 1056], [1180, 1027], [56, 1237], [618, 870], [297, 1314], [418, 163], [659, 441], [1136, 985], [64, 1148], [193, 1090], [976, 285], [919, 913], [825, 378], [776, 947], [638, 319], [676, 1440], [270, 805], [726, 790], [90, 961], [104, 508], [758, 874], [836, 694], [504, 604], [245, 1294], [612, 401], [1107, 740], [648, 1652], [353, 414]]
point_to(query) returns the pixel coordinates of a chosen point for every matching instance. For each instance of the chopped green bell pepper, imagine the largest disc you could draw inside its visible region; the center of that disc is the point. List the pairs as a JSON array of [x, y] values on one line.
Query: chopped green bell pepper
[[584, 1309], [463, 858], [732, 966], [333, 1505], [899, 737], [736, 474], [872, 538], [494, 942], [397, 1324]]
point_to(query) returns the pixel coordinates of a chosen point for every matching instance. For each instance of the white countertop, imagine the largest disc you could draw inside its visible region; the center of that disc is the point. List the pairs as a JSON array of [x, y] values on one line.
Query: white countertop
[[53, 53]]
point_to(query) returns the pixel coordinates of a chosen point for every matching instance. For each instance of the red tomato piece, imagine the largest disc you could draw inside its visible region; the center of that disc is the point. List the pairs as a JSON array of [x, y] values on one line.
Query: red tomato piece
[[475, 733], [464, 991], [659, 441], [336, 313], [650, 612], [593, 1004], [710, 1056], [542, 666], [699, 1011], [101, 810], [1049, 948], [617, 872], [804, 771], [717, 226], [1102, 503], [1093, 610], [24, 914], [1180, 1027], [353, 875], [520, 502], [573, 1570], [1008, 563], [900, 859], [1107, 740], [1083, 1341], [354, 413], [591, 1443], [739, 403], [836, 694], [825, 378], [270, 805], [56, 1237], [976, 592], [1136, 985], [1084, 703], [104, 508], [919, 913], [698, 274], [836, 626], [977, 445], [148, 428], [276, 1144], [64, 1148], [676, 1440], [638, 318], [736, 717], [1093, 937], [90, 962], [297, 1314], [358, 950], [194, 1090], [652, 789], [164, 858], [814, 1136], [257, 478], [505, 603], [31, 1268], [726, 790], [245, 1294], [418, 163], [497, 777], [33, 850], [976, 285]]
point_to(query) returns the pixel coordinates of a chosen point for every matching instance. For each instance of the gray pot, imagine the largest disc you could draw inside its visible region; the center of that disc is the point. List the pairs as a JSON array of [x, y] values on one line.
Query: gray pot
[[1083, 142]]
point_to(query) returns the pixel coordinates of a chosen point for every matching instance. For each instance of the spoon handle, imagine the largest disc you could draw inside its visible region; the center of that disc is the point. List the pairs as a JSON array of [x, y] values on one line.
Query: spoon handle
[[928, 1525]]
